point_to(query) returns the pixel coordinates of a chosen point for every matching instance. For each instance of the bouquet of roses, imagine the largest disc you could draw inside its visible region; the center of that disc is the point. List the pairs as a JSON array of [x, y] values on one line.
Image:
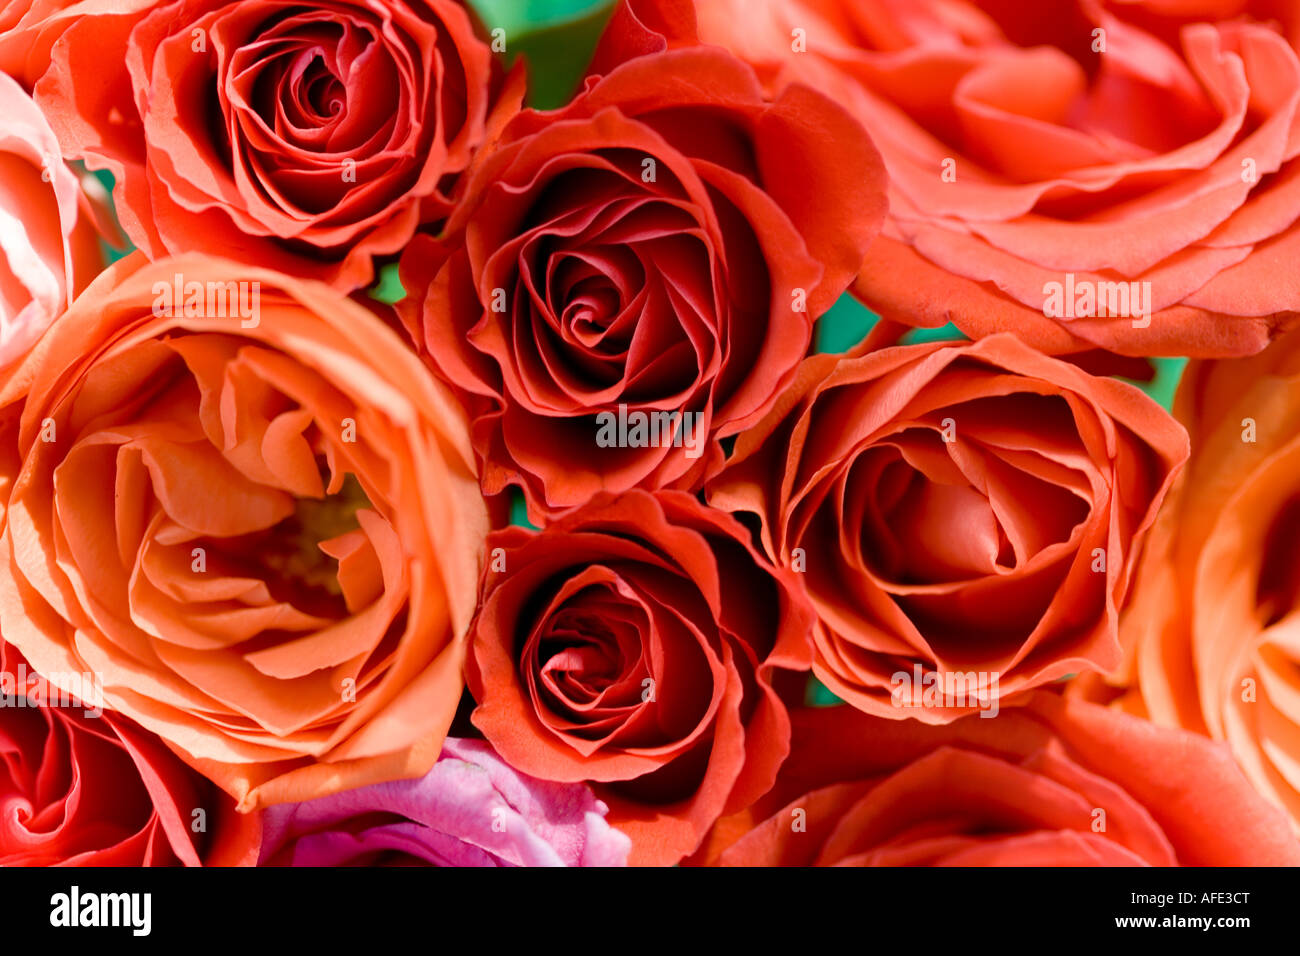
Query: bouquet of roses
[[719, 432]]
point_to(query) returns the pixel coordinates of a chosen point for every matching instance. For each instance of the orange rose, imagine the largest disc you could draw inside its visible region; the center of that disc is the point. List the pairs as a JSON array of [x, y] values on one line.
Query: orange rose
[[1211, 633], [242, 501], [966, 517], [1051, 157], [1049, 783]]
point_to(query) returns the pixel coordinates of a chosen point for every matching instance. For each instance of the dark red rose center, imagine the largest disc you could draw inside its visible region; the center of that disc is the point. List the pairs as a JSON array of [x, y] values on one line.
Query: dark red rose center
[[614, 283], [589, 660], [319, 91]]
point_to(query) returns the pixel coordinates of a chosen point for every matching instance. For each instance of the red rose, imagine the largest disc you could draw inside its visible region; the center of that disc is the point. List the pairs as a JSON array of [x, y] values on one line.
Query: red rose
[[654, 254], [307, 139], [635, 643], [1050, 783], [967, 517], [1046, 157], [80, 786]]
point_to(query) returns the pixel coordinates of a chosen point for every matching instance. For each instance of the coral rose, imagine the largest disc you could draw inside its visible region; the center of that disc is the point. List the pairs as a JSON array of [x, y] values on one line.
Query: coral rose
[[638, 642], [306, 139], [966, 517], [634, 277], [1083, 173], [83, 787], [471, 809], [1211, 630], [1049, 783], [30, 28], [243, 501], [49, 249]]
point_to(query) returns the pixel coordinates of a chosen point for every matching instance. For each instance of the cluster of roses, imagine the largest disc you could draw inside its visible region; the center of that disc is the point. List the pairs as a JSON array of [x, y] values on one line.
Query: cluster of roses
[[264, 511]]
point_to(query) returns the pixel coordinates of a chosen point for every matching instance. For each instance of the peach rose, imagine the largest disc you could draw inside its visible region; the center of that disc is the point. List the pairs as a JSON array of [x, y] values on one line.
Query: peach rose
[[244, 503], [1048, 156], [1049, 783], [966, 517], [48, 244], [1211, 633]]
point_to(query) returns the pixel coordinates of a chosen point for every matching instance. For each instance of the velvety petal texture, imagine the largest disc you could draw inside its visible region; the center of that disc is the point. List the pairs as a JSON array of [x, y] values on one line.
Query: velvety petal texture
[[261, 525], [641, 643], [956, 509], [1048, 783], [80, 786], [1064, 141], [660, 246], [306, 138], [471, 809]]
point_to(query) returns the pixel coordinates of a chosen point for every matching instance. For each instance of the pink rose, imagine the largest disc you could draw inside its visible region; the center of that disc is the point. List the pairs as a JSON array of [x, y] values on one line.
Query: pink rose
[[471, 809]]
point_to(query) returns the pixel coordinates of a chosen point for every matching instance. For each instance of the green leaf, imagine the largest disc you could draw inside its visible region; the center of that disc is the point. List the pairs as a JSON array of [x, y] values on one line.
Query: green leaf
[[389, 288], [519, 511], [843, 326], [555, 37], [520, 15], [1165, 384], [817, 694], [945, 333], [848, 322]]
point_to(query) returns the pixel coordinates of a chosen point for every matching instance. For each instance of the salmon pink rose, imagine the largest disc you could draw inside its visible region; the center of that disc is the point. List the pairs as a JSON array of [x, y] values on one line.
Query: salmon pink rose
[[1048, 783], [641, 643], [1113, 173], [242, 501], [306, 138], [30, 28], [49, 249], [966, 517], [635, 277], [83, 787]]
